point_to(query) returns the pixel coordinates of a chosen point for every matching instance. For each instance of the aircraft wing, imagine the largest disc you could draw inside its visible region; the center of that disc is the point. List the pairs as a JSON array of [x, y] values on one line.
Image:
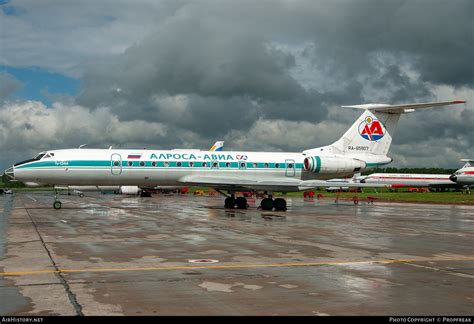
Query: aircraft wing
[[242, 184], [405, 108]]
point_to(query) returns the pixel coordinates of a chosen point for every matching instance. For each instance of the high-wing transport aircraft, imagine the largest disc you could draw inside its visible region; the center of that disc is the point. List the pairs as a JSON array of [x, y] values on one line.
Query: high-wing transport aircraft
[[364, 145]]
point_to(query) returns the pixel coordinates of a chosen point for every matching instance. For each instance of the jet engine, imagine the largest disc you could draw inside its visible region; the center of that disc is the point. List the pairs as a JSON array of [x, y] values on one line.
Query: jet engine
[[333, 164]]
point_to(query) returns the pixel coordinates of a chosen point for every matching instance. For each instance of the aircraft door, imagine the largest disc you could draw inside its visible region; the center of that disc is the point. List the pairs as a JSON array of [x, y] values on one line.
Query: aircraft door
[[290, 168], [116, 164]]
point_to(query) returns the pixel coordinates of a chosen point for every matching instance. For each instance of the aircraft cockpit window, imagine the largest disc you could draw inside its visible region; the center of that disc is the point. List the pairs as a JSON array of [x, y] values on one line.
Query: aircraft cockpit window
[[40, 156]]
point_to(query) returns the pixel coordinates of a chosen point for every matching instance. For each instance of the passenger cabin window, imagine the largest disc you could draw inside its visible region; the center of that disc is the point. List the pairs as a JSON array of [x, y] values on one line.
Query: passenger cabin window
[[142, 163], [153, 163], [255, 165], [166, 164], [116, 163], [277, 165], [191, 164], [178, 164], [227, 165], [290, 166], [204, 164], [130, 163], [266, 165]]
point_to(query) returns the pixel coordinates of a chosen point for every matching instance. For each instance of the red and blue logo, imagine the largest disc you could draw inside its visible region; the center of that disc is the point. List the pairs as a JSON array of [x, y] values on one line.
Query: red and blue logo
[[371, 129]]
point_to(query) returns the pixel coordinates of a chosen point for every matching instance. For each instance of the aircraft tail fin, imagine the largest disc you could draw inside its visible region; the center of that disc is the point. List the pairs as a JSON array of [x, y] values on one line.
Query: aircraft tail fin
[[218, 146], [373, 131]]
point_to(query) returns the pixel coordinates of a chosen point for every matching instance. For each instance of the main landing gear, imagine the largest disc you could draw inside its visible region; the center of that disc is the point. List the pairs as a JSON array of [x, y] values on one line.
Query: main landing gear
[[239, 202], [268, 203]]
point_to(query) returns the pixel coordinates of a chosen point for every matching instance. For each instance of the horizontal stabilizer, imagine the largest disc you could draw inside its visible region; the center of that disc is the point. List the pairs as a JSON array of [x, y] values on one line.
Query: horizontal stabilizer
[[469, 163], [404, 108]]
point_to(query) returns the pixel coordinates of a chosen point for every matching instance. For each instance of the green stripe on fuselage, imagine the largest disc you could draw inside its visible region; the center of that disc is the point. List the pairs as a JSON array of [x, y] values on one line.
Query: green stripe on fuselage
[[157, 164]]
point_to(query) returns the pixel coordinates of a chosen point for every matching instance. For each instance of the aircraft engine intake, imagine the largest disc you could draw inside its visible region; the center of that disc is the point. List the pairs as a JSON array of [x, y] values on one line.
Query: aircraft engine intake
[[333, 164]]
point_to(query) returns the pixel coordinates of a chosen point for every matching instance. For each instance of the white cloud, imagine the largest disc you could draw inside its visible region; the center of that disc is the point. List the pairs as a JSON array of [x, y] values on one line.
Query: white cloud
[[29, 127]]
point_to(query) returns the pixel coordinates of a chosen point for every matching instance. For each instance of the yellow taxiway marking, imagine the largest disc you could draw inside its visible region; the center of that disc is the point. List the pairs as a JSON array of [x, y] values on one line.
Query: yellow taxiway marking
[[230, 266]]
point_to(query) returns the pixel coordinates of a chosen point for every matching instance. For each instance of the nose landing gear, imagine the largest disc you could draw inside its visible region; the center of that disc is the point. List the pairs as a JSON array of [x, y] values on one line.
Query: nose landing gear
[[57, 204]]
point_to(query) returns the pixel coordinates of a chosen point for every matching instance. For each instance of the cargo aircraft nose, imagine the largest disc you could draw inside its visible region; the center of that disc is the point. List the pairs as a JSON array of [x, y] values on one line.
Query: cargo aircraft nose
[[453, 178], [10, 172]]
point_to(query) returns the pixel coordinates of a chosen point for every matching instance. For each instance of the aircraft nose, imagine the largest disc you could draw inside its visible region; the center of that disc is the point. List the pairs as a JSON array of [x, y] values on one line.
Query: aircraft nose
[[453, 178], [10, 172]]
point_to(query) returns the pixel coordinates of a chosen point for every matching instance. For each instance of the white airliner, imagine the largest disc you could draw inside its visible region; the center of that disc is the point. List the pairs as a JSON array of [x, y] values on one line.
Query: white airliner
[[124, 190], [403, 180], [365, 144], [465, 175]]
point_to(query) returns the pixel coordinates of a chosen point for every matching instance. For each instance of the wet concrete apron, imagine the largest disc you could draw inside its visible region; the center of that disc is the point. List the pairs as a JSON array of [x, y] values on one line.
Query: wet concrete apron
[[112, 255]]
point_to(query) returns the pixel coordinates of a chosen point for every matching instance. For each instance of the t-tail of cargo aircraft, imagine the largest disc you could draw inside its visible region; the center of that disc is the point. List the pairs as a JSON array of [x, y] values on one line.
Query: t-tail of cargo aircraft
[[365, 144]]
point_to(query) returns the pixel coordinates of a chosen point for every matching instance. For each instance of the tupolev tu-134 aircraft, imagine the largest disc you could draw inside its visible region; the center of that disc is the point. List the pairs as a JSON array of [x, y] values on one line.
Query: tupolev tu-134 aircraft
[[364, 145]]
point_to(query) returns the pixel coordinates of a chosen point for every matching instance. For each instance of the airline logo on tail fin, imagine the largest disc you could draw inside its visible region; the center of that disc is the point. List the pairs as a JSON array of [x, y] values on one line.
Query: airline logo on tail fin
[[371, 129]]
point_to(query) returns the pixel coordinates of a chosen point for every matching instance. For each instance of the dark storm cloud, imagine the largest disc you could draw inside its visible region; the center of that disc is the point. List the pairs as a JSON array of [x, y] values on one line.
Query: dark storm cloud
[[223, 50]]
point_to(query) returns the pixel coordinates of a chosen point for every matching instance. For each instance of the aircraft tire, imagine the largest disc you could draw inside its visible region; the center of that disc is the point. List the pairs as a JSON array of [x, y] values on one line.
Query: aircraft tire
[[229, 202], [241, 203], [57, 204], [267, 204], [280, 204]]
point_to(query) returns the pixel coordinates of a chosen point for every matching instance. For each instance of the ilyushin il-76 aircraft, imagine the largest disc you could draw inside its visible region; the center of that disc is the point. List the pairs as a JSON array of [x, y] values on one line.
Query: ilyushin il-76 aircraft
[[364, 145], [465, 175]]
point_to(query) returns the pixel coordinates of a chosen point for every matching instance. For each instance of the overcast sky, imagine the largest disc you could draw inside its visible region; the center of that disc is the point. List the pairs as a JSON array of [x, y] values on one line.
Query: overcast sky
[[261, 75]]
